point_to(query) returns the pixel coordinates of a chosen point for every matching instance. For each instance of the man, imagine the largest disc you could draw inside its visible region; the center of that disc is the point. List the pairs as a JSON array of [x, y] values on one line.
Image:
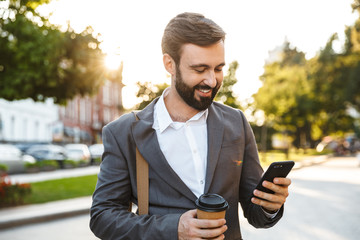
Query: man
[[193, 146]]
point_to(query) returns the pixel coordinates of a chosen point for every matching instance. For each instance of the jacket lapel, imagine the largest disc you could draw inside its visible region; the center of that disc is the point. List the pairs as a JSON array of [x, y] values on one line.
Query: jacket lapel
[[146, 140], [215, 127]]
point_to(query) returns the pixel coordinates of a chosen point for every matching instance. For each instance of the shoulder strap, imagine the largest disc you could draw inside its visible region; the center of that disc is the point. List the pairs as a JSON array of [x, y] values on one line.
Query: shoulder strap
[[142, 181]]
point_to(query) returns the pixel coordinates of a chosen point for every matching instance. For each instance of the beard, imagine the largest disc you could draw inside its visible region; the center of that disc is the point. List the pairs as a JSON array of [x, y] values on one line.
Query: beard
[[187, 93]]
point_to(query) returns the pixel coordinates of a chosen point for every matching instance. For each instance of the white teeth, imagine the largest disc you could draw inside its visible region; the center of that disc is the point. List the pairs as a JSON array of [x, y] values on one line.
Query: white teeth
[[204, 90]]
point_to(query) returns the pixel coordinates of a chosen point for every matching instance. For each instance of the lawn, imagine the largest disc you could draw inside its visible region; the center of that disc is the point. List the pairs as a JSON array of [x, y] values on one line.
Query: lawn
[[66, 188], [59, 189], [278, 155]]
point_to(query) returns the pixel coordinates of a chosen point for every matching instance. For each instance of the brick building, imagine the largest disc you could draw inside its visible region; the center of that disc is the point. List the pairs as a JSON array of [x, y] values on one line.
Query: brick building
[[82, 119]]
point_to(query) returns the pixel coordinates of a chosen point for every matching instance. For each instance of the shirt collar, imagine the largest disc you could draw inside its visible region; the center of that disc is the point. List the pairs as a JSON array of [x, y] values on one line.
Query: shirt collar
[[162, 119]]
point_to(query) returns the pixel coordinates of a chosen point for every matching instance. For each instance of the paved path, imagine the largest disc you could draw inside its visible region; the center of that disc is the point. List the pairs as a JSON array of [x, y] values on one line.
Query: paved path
[[57, 174], [323, 205]]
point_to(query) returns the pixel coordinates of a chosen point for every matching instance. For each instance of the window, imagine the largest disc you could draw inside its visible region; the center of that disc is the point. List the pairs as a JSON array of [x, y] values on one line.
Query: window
[[82, 111]]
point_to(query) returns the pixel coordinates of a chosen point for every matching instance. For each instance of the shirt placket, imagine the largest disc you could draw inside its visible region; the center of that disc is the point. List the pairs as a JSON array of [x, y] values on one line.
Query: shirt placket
[[195, 153]]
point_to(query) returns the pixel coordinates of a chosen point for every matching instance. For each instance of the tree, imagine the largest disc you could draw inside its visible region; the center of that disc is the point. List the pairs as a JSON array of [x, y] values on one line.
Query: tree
[[330, 73], [148, 92], [286, 95], [226, 94], [39, 61]]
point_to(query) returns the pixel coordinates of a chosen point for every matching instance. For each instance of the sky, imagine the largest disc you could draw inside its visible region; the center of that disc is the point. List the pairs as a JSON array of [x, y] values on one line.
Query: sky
[[133, 30]]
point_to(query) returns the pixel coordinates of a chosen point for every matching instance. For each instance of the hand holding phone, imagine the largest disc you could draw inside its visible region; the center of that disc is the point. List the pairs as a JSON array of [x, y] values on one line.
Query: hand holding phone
[[276, 169]]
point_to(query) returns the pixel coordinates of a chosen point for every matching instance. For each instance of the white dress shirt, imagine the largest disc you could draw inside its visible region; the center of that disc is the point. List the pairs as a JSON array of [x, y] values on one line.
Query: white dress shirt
[[184, 145]]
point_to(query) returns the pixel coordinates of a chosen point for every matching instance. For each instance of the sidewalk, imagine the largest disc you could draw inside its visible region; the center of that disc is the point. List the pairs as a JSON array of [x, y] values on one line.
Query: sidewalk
[[21, 215], [58, 174], [18, 216]]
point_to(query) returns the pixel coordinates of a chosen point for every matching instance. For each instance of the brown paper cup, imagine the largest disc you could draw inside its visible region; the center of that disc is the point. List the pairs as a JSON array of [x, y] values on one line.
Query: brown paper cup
[[211, 206], [210, 215]]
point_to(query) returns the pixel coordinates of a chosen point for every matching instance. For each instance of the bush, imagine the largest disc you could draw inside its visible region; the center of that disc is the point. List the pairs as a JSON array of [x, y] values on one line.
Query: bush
[[32, 167], [48, 165], [12, 194], [69, 164], [44, 165], [97, 161], [3, 169]]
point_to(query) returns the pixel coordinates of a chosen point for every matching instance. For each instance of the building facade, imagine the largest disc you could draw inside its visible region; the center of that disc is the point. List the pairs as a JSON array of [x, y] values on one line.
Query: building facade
[[27, 121], [82, 119]]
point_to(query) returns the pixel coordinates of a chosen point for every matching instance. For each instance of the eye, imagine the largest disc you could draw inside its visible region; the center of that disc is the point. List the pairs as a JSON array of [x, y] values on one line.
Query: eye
[[218, 69], [199, 70]]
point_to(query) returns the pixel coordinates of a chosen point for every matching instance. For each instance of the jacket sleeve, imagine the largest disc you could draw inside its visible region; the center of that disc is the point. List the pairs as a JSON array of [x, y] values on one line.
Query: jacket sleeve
[[250, 176], [110, 218]]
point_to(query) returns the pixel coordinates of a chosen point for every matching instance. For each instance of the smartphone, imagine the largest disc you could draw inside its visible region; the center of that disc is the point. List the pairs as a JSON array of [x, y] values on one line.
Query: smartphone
[[276, 169]]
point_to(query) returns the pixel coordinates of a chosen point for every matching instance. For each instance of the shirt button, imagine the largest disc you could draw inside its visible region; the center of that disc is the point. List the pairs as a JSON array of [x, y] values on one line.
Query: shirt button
[[202, 181]]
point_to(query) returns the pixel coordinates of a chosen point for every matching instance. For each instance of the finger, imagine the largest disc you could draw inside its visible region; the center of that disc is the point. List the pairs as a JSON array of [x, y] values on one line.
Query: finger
[[277, 198], [277, 189], [272, 206], [282, 181], [213, 223], [191, 213], [212, 233]]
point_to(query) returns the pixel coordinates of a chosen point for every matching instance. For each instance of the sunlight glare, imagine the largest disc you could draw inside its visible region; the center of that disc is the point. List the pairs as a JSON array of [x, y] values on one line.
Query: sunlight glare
[[112, 61]]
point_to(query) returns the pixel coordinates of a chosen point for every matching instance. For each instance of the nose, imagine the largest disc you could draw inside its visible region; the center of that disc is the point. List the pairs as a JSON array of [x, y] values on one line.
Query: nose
[[211, 79]]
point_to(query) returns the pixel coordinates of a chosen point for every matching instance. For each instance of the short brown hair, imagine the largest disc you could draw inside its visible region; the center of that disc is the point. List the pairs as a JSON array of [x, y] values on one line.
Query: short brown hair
[[189, 28]]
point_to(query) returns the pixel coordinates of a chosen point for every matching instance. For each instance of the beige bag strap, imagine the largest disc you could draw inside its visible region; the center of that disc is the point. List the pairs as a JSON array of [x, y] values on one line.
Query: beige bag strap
[[142, 181]]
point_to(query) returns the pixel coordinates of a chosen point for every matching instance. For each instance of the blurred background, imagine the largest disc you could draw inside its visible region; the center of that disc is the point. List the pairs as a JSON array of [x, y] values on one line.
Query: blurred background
[[67, 68]]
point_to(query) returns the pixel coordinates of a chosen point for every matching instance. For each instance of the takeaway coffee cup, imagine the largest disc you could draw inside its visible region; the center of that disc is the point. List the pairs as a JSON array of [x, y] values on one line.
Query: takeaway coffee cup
[[211, 206]]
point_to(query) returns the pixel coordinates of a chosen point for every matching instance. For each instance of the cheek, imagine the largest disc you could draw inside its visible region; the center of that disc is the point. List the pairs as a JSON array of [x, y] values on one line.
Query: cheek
[[191, 79], [219, 78]]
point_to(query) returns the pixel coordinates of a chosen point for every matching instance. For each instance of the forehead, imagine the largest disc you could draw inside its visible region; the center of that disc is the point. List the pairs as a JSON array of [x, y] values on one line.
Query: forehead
[[211, 55]]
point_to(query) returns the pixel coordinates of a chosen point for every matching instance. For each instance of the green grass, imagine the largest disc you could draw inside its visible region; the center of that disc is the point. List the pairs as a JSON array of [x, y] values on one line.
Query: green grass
[[278, 155], [60, 189], [67, 188]]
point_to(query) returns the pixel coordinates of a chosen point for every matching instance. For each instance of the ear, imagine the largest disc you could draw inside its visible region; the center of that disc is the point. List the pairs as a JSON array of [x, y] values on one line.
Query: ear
[[169, 64]]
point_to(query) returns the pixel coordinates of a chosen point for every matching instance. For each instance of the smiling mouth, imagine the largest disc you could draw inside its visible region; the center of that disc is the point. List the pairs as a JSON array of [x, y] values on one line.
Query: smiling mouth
[[204, 90]]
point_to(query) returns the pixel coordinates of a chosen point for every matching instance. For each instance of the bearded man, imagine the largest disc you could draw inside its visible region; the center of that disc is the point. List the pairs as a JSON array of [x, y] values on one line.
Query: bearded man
[[192, 146]]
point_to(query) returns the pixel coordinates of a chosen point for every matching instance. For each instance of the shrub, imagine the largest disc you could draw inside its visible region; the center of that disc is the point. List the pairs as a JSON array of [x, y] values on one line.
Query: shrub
[[32, 167], [48, 165], [97, 161], [69, 164], [12, 194], [3, 169]]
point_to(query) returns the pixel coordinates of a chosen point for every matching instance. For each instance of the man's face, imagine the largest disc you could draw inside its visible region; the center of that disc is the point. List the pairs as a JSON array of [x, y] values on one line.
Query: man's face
[[199, 74]]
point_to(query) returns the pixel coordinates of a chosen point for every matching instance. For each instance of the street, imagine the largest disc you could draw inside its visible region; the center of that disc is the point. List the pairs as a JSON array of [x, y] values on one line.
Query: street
[[323, 204]]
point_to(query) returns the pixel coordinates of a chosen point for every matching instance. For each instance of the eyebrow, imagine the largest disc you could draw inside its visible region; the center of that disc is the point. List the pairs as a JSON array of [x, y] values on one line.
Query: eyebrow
[[205, 65]]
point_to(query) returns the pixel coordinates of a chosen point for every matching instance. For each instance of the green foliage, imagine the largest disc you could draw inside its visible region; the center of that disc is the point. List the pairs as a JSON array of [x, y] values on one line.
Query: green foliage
[[12, 194], [3, 167], [44, 165], [286, 96], [226, 94], [39, 61], [310, 99], [69, 163], [294, 154], [356, 5], [148, 92]]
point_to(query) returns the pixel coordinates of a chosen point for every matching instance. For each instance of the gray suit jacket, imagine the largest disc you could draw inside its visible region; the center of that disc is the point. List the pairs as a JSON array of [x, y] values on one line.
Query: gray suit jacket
[[233, 170]]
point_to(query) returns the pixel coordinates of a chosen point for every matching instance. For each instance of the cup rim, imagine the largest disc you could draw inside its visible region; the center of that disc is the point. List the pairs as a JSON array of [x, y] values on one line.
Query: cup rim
[[207, 207]]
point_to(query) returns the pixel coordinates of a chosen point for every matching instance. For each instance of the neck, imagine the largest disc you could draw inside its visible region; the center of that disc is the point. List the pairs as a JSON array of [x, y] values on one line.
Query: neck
[[179, 110]]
